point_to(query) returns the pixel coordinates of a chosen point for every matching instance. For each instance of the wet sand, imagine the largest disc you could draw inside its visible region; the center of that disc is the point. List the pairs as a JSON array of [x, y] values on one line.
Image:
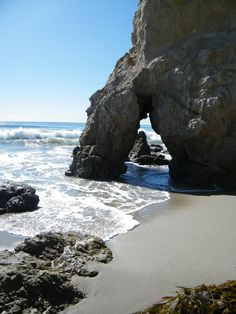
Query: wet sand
[[186, 241], [9, 241]]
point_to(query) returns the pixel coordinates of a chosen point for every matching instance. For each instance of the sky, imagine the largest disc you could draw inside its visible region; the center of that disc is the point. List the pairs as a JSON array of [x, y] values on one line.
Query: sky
[[55, 54]]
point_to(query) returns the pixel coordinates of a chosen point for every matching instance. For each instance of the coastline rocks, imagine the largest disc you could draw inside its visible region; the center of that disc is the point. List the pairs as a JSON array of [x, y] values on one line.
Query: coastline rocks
[[181, 73], [140, 148], [17, 198], [36, 277], [72, 169], [152, 160], [143, 154]]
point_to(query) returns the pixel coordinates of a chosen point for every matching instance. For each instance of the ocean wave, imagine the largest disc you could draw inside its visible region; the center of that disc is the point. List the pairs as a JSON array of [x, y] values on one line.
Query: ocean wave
[[66, 204], [21, 133], [38, 134], [152, 136]]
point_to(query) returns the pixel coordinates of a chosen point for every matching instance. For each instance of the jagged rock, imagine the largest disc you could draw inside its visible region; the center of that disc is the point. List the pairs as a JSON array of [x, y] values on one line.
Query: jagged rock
[[157, 148], [17, 198], [143, 154], [70, 172], [140, 148], [181, 72], [36, 277], [157, 160]]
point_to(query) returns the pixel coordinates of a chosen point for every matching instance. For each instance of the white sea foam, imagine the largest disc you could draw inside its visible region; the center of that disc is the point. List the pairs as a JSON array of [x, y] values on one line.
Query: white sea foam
[[101, 208], [152, 136], [38, 136], [21, 133]]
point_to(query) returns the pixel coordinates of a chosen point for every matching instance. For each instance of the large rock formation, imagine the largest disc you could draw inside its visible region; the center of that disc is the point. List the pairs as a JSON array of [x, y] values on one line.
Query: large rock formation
[[181, 71]]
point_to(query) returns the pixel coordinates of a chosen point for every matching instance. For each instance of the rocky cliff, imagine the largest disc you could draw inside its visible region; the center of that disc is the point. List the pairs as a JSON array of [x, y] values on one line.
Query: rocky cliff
[[181, 71]]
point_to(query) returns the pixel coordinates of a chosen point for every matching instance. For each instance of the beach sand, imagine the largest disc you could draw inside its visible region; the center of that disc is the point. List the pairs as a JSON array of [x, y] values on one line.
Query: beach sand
[[9, 241], [186, 241]]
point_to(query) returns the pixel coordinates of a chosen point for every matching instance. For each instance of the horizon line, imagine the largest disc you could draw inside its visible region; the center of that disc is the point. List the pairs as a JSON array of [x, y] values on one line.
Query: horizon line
[[40, 121]]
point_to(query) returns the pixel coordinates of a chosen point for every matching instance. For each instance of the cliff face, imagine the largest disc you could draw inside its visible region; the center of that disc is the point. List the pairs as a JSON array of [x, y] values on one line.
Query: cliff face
[[181, 72]]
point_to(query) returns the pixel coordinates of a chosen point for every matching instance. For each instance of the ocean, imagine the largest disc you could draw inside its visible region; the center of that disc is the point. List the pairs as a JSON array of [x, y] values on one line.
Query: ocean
[[39, 153]]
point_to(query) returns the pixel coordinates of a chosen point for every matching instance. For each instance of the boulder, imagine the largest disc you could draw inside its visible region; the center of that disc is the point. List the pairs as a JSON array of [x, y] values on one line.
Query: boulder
[[37, 276], [181, 73], [17, 198]]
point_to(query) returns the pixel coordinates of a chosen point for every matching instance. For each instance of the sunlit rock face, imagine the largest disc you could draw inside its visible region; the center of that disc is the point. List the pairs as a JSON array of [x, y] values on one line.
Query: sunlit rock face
[[181, 71]]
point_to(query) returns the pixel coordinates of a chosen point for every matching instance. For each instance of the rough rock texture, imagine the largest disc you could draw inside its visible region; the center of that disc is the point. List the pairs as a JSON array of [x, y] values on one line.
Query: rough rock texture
[[17, 198], [140, 147], [143, 154], [181, 71], [36, 278]]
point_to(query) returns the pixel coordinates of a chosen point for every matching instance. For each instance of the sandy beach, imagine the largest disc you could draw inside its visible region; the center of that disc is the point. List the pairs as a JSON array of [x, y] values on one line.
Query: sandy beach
[[186, 241], [9, 241]]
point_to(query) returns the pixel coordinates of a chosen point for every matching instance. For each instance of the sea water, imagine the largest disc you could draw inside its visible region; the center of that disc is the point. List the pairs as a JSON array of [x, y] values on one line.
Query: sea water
[[39, 154]]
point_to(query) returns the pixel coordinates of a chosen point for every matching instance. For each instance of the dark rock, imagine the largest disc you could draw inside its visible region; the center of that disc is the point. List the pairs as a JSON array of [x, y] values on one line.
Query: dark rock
[[53, 288], [21, 291], [87, 273], [143, 154], [44, 245], [67, 249], [24, 202], [68, 173], [156, 148], [3, 211], [158, 160], [141, 147], [16, 198], [183, 77], [36, 277]]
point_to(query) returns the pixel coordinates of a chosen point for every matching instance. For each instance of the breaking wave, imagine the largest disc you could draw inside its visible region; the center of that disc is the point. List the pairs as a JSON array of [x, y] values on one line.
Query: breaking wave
[[28, 133], [152, 136]]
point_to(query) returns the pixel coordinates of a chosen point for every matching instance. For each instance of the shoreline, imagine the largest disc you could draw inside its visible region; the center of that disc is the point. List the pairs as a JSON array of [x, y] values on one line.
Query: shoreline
[[9, 240], [186, 241]]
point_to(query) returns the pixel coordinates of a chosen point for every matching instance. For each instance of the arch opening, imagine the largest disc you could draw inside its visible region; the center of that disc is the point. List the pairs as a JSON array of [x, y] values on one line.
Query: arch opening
[[145, 106]]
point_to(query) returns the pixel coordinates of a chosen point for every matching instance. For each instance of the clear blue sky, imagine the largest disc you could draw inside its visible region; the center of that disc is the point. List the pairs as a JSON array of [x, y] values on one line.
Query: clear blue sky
[[55, 53]]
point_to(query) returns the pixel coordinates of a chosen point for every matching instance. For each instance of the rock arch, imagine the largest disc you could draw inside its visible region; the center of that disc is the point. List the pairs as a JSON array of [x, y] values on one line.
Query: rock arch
[[108, 137], [181, 72]]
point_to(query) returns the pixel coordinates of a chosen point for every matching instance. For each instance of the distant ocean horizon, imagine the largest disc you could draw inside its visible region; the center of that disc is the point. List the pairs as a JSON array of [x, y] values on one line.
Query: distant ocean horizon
[[52, 132]]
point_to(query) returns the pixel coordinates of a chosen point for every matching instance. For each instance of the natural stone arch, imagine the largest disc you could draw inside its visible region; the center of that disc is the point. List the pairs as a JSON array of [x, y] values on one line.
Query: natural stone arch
[[180, 71], [112, 126], [109, 136]]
